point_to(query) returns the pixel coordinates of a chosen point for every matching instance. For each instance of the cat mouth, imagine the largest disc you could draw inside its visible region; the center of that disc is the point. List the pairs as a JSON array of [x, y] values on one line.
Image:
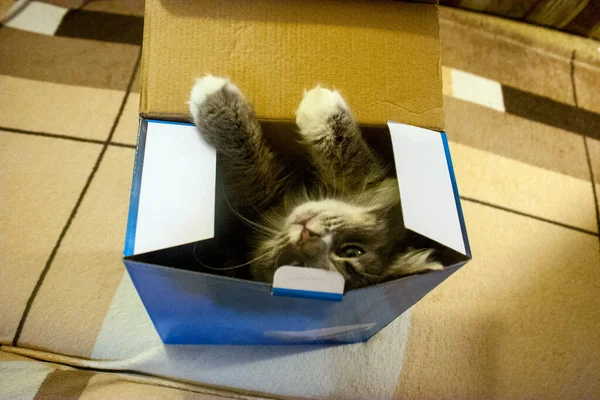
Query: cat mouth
[[290, 256], [307, 251]]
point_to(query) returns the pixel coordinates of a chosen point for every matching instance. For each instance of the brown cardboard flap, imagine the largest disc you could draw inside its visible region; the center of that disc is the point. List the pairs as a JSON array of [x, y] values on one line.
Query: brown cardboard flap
[[383, 56]]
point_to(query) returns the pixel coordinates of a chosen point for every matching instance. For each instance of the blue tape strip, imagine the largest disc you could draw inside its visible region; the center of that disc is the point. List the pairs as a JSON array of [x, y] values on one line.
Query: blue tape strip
[[307, 294], [158, 121], [461, 217], [136, 184]]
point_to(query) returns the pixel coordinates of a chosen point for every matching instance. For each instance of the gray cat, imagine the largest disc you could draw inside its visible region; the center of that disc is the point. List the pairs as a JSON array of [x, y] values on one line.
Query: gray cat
[[342, 223]]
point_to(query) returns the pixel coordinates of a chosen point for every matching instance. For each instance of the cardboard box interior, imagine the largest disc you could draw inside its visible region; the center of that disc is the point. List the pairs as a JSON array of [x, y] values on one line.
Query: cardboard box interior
[[229, 246]]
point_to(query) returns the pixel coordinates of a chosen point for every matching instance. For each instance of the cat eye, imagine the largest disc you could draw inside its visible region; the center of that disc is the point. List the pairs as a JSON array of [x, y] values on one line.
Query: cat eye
[[351, 251]]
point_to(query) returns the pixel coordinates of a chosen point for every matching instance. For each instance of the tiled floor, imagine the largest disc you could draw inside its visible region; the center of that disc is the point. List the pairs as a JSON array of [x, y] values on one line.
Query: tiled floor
[[523, 318], [63, 100]]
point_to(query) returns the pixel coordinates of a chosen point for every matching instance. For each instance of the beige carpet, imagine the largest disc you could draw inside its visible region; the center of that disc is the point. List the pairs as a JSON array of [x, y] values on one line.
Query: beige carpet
[[522, 320]]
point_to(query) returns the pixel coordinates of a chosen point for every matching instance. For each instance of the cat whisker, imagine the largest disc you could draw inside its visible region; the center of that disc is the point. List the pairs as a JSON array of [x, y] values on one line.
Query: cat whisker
[[364, 187], [255, 225], [305, 192], [266, 218], [288, 176], [252, 224]]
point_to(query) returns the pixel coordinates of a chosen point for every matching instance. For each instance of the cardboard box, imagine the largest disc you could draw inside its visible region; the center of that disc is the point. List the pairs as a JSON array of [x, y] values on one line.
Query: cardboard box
[[176, 204], [384, 57]]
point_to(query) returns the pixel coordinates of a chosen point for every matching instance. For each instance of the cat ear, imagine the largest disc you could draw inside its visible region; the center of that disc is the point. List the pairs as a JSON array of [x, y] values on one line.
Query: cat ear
[[414, 261]]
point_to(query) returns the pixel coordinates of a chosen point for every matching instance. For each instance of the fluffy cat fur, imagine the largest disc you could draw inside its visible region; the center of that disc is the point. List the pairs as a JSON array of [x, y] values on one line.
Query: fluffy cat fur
[[346, 221]]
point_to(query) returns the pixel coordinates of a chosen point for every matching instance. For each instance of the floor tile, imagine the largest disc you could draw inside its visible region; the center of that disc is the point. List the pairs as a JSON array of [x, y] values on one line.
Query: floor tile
[[103, 386], [65, 60], [127, 7], [39, 18], [80, 285], [532, 190], [64, 383], [40, 182], [127, 128], [57, 108], [551, 112], [476, 89], [514, 137], [7, 6], [587, 83], [103, 26], [33, 379], [21, 377], [523, 317], [65, 3], [475, 47]]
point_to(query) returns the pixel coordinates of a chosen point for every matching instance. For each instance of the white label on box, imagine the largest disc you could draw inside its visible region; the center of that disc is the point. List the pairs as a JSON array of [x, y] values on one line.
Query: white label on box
[[429, 205], [308, 283], [177, 194]]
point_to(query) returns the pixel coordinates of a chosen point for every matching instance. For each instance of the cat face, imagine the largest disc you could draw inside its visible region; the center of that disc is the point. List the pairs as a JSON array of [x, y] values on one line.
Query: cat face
[[354, 236], [337, 236], [333, 235], [357, 236]]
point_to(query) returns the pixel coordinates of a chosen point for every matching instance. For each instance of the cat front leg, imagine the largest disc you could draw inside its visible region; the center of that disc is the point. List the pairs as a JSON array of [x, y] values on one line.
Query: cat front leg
[[333, 137], [227, 121]]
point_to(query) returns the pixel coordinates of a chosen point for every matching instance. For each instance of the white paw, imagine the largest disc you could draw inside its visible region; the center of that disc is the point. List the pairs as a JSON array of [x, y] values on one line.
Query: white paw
[[317, 106], [206, 86]]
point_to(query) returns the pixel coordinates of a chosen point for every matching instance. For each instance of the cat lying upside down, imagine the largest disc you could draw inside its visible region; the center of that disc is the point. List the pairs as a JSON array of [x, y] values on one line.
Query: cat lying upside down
[[343, 223]]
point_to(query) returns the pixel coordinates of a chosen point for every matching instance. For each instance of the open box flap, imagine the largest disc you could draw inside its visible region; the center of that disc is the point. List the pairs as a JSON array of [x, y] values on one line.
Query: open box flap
[[383, 56], [428, 191], [173, 189]]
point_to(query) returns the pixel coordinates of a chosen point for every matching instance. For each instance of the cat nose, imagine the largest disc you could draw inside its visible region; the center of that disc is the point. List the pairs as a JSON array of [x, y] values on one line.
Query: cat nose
[[308, 234]]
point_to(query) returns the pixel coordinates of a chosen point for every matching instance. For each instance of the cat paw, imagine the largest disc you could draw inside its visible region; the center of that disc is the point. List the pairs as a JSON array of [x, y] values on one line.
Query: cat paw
[[206, 86], [317, 107]]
